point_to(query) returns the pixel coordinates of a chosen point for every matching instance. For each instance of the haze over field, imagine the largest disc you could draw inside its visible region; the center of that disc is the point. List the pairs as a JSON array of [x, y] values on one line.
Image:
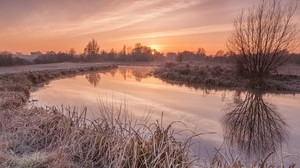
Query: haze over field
[[164, 25]]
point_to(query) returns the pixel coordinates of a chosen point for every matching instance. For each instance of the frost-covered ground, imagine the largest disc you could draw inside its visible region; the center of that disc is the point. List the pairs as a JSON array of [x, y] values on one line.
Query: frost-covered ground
[[41, 67], [289, 69], [218, 75]]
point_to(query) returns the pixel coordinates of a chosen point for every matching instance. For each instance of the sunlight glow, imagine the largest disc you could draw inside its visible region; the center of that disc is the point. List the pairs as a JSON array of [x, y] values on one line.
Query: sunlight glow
[[155, 47]]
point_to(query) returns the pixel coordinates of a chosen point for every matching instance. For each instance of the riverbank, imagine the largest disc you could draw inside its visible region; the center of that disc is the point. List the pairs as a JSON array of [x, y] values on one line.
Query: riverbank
[[52, 137], [15, 87], [224, 77]]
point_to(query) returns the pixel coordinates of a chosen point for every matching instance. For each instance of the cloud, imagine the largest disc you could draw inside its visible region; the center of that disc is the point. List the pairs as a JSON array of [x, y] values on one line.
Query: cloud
[[181, 32], [59, 19], [138, 12]]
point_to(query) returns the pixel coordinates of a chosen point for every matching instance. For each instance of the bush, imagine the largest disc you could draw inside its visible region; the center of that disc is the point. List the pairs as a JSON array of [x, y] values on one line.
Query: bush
[[6, 59]]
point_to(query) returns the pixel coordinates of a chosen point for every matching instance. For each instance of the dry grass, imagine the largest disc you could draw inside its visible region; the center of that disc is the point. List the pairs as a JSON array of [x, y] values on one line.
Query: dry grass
[[53, 138]]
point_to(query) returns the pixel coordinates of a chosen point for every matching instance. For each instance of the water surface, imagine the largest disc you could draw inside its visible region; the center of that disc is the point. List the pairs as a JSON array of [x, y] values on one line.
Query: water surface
[[249, 124]]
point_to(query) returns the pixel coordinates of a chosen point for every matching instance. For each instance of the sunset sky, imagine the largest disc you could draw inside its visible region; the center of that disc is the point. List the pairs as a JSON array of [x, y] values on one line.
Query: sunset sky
[[166, 25]]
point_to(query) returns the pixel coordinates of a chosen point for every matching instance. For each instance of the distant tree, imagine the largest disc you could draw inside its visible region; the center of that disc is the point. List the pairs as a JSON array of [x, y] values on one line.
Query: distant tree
[[189, 56], [262, 38], [112, 55], [201, 52], [92, 48], [220, 53], [123, 52], [72, 52], [141, 53], [179, 57], [7, 59], [171, 56], [50, 52]]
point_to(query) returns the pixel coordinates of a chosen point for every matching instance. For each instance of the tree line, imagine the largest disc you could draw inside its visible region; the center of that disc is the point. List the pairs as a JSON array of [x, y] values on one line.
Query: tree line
[[139, 53]]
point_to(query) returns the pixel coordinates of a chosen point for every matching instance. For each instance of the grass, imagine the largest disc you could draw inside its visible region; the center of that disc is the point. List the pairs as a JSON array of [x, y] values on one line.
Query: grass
[[51, 137], [56, 138]]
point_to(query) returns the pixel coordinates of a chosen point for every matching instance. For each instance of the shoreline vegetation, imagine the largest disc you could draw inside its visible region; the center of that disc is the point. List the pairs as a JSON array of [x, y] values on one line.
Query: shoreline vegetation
[[224, 77], [39, 137]]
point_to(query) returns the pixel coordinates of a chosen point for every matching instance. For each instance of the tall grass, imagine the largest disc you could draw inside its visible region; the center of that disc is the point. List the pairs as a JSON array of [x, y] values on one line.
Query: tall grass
[[66, 138]]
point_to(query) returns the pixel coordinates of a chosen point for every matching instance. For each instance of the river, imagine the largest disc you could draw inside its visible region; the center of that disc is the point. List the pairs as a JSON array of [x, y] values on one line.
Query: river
[[245, 123]]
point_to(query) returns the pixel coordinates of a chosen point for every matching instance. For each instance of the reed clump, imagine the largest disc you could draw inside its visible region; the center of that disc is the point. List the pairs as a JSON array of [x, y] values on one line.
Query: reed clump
[[66, 138]]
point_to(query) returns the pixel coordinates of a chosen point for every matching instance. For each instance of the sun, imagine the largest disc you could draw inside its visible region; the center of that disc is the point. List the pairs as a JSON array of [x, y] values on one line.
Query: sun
[[154, 47]]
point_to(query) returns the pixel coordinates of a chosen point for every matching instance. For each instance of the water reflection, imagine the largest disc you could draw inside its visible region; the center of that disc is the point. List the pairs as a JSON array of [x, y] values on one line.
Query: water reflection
[[94, 78], [254, 126], [140, 74]]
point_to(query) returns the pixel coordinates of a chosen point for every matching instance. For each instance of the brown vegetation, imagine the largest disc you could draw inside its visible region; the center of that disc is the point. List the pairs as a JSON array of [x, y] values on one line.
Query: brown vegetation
[[6, 59], [52, 138], [225, 77]]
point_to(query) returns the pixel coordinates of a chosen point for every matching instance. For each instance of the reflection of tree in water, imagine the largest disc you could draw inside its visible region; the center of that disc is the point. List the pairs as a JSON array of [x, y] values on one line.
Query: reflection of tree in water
[[138, 73], [123, 71], [113, 72], [254, 126], [94, 78]]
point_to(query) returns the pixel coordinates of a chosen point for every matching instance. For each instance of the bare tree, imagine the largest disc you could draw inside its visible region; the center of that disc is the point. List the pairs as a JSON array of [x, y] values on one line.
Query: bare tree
[[220, 53], [92, 48], [179, 57], [72, 52], [262, 38], [201, 52]]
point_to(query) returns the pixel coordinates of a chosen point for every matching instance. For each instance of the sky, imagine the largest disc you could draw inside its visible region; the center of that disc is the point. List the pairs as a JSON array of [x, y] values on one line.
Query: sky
[[165, 25]]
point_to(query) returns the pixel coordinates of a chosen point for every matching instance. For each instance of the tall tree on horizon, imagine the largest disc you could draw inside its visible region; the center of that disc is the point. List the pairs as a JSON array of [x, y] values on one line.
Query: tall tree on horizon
[[92, 48]]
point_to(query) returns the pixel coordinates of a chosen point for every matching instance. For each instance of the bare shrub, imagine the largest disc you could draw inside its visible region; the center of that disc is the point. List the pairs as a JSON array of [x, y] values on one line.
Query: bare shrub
[[262, 38]]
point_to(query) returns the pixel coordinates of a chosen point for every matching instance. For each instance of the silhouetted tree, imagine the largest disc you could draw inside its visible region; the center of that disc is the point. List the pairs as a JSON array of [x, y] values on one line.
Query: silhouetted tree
[[7, 59], [262, 38], [92, 48], [72, 52], [141, 53], [179, 57], [220, 53], [201, 52]]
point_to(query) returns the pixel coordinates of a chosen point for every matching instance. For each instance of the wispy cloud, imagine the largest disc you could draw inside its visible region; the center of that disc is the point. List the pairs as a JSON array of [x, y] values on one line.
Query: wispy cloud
[[70, 23], [181, 32], [106, 20], [140, 11]]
